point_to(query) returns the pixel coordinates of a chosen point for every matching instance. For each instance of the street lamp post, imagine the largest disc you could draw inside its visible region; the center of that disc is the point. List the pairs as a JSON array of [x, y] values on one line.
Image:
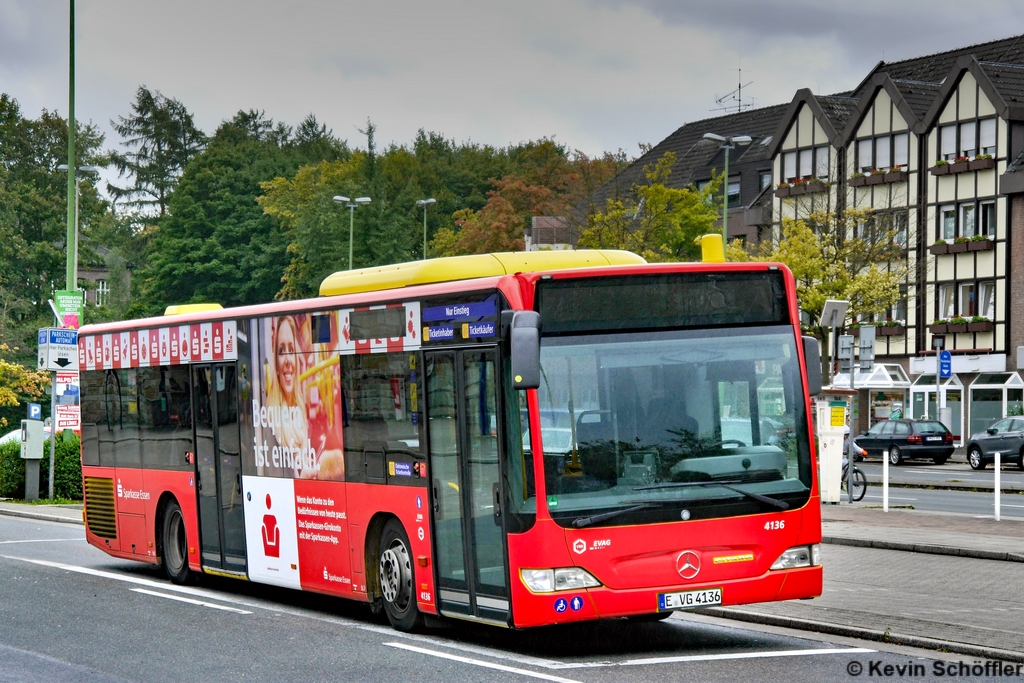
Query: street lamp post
[[425, 203], [727, 142], [351, 204], [73, 235]]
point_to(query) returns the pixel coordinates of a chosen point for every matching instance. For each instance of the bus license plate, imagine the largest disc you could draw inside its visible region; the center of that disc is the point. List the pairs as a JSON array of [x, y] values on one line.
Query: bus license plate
[[690, 599]]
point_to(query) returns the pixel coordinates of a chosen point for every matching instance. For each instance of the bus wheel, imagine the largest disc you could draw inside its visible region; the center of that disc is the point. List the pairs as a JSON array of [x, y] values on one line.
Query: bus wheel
[[396, 578], [649, 618], [175, 545]]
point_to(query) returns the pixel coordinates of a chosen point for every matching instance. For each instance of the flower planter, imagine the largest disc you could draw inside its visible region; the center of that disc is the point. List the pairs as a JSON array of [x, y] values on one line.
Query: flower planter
[[982, 164], [815, 187], [960, 167], [939, 249], [782, 191], [859, 181], [957, 247], [875, 179], [981, 245], [895, 177], [954, 329], [986, 326], [939, 170], [938, 329], [795, 190], [890, 330]]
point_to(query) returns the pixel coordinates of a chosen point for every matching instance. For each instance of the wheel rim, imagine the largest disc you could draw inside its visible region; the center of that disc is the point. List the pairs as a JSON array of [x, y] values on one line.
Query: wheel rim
[[396, 575], [176, 541], [975, 457], [894, 455]]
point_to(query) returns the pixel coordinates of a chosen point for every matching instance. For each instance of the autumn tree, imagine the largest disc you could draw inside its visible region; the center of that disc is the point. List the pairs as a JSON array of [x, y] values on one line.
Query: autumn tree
[[659, 223]]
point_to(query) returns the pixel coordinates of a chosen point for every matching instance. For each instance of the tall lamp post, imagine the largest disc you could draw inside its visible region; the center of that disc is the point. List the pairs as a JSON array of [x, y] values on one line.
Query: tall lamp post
[[425, 203], [73, 241], [351, 204], [727, 142]]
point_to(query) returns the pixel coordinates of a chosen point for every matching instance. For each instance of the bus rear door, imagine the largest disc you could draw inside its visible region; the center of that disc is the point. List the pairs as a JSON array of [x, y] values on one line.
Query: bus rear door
[[465, 451]]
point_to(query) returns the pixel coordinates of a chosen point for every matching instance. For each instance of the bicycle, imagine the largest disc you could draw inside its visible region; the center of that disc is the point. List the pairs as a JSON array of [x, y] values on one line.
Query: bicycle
[[860, 481]]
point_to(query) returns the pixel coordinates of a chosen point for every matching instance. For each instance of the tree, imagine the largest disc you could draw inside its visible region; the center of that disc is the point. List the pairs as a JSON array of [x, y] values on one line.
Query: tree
[[851, 256], [661, 223], [18, 384], [162, 138]]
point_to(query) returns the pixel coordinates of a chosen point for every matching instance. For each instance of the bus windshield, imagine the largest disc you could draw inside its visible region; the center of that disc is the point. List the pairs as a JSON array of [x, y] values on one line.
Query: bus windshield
[[673, 424]]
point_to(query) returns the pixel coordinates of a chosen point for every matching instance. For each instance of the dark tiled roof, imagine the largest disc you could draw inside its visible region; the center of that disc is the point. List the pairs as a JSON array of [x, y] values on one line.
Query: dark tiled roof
[[1008, 79], [935, 67], [694, 153], [919, 95], [838, 108], [1017, 166]]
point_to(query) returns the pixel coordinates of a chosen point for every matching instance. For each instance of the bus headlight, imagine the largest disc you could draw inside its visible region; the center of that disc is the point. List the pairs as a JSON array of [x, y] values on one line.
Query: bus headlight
[[562, 579], [800, 556]]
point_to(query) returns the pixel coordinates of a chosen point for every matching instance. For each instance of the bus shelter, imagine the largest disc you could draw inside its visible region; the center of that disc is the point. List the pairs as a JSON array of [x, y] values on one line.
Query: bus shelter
[[922, 400], [882, 390], [995, 395]]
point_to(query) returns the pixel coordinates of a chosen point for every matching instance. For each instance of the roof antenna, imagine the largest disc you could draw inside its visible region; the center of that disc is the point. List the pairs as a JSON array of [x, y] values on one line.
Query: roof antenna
[[735, 96]]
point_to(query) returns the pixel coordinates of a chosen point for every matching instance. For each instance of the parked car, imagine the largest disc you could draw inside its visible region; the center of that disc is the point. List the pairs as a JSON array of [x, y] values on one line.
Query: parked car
[[1005, 436], [15, 435], [900, 440]]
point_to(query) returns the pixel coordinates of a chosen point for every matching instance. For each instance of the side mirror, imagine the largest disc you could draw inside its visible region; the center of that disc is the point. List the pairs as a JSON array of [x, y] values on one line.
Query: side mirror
[[812, 357], [525, 343], [991, 430]]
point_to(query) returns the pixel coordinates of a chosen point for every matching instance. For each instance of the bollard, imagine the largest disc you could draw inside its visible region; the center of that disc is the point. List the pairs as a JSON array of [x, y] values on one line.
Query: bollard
[[885, 482], [998, 468]]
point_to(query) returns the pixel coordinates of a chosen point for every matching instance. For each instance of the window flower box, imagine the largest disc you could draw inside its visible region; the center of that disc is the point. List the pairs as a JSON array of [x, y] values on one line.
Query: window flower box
[[985, 244], [890, 330], [960, 167], [955, 328], [895, 176], [783, 191], [795, 190], [938, 249], [939, 169], [815, 186], [875, 179], [958, 247], [982, 164], [858, 181], [982, 326], [938, 328]]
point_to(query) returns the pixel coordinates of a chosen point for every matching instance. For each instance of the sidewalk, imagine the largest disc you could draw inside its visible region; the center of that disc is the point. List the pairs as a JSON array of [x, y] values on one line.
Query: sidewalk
[[65, 514], [935, 533]]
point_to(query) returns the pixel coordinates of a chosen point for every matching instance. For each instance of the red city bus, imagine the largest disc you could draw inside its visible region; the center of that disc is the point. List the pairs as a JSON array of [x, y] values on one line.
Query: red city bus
[[514, 439]]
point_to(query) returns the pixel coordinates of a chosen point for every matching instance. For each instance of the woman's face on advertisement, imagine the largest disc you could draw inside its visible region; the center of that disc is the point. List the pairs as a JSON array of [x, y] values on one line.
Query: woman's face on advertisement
[[286, 358]]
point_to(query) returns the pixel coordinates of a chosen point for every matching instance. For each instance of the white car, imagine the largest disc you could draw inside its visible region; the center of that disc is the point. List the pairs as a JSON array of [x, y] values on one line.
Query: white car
[[15, 435]]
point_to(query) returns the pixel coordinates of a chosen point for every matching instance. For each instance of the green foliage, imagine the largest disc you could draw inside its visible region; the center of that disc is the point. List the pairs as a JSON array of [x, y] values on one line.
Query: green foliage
[[660, 223], [67, 465]]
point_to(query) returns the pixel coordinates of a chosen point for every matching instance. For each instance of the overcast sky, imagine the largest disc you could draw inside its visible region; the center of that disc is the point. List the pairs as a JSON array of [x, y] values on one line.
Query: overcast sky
[[594, 74]]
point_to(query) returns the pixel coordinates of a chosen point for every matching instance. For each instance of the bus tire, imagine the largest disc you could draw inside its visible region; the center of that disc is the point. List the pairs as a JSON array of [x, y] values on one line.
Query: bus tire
[[175, 545], [649, 618], [397, 579]]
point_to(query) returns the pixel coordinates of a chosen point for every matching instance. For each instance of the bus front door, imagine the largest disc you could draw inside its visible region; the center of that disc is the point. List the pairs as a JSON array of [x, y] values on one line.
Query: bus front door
[[463, 430], [218, 472]]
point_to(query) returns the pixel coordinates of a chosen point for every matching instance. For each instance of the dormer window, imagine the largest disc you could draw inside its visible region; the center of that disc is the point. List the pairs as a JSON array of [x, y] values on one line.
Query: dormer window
[[812, 162], [967, 139], [883, 152]]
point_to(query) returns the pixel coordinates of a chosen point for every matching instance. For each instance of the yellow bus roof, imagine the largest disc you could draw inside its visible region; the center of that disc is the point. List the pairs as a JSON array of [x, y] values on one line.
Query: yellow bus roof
[[453, 268], [179, 309]]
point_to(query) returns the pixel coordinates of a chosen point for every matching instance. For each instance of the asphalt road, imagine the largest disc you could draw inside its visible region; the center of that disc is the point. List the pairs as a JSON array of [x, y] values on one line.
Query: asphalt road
[[943, 500], [925, 473], [71, 613]]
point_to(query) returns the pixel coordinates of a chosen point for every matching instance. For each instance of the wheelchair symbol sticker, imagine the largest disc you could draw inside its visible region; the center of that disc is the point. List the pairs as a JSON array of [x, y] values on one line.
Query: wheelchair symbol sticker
[[561, 605]]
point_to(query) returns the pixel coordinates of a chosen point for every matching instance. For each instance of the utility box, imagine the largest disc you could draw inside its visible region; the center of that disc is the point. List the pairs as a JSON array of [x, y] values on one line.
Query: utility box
[[833, 413], [32, 453]]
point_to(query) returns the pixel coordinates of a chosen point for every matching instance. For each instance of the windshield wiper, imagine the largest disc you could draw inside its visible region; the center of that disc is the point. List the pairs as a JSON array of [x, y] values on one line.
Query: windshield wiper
[[721, 484], [581, 522]]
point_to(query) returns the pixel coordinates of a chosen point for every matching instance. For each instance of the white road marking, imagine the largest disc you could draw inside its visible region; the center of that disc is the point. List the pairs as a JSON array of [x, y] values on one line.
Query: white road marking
[[189, 601], [478, 662], [42, 540], [744, 655], [890, 497]]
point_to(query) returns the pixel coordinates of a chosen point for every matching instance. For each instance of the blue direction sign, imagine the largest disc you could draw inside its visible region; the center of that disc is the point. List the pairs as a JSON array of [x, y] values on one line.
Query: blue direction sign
[[945, 364]]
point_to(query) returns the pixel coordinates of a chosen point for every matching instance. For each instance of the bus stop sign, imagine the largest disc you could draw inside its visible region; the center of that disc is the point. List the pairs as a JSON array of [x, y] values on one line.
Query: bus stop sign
[[945, 364]]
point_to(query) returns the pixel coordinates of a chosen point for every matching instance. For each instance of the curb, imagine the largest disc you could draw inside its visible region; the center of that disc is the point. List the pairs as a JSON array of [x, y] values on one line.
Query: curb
[[864, 634], [41, 516], [925, 548]]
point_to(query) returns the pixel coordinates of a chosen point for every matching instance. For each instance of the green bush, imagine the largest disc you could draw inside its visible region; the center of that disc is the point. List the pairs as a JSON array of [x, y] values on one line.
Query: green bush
[[67, 463]]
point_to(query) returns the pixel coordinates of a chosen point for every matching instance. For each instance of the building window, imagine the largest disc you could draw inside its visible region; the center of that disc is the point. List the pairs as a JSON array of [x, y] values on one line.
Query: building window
[[987, 136], [882, 149], [900, 149], [968, 304], [899, 228], [102, 292], [947, 226], [806, 162], [821, 162], [969, 139], [734, 191], [766, 179], [987, 225], [947, 302], [865, 156], [947, 142], [789, 165], [987, 299], [967, 220]]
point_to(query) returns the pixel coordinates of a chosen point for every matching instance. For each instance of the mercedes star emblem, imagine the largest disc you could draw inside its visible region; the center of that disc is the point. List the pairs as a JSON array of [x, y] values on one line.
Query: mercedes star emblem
[[688, 564]]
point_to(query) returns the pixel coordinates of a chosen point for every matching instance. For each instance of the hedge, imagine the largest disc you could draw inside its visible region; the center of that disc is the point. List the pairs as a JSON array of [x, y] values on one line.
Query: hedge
[[67, 463]]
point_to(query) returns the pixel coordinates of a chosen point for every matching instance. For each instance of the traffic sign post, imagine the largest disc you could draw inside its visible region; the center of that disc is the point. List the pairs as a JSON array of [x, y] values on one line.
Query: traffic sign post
[[58, 353]]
